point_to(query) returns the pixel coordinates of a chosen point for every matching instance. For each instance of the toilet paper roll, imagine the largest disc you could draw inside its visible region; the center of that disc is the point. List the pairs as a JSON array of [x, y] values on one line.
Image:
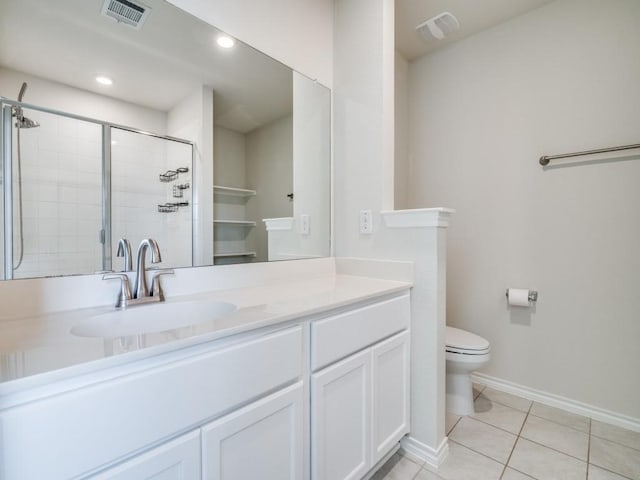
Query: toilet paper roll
[[518, 297]]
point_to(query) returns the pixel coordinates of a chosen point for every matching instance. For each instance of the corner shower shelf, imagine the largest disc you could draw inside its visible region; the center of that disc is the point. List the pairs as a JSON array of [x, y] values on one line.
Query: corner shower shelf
[[238, 223], [232, 191]]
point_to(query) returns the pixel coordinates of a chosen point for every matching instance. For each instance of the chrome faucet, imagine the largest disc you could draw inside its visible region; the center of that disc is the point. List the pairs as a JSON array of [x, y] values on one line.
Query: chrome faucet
[[141, 293], [141, 290], [124, 250]]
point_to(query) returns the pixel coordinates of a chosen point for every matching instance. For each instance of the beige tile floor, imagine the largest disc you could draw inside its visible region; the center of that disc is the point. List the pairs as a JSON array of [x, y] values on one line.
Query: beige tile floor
[[511, 438]]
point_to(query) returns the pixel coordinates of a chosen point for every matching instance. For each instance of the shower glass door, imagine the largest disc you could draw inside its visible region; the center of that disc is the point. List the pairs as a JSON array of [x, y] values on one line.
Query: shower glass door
[[56, 171], [151, 195], [73, 186]]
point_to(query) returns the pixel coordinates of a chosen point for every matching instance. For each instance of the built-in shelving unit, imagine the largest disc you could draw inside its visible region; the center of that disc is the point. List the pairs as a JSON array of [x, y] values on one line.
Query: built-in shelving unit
[[232, 191], [234, 254], [231, 227], [238, 223]]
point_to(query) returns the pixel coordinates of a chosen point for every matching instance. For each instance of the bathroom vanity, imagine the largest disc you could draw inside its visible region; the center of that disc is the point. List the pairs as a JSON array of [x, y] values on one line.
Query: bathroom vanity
[[306, 379]]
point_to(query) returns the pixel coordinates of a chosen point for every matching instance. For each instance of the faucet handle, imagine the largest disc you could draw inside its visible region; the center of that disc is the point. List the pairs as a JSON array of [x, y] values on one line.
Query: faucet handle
[[156, 288], [124, 250], [125, 290]]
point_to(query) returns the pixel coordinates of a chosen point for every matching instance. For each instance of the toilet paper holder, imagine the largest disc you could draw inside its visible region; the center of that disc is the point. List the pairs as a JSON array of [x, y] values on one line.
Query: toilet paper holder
[[533, 295]]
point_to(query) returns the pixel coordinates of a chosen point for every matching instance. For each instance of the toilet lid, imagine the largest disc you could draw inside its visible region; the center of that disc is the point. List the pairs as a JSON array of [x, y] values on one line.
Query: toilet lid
[[457, 339]]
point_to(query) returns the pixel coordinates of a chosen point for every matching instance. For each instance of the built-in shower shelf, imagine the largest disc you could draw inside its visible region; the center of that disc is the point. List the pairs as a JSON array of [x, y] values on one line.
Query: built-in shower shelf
[[237, 223], [232, 191], [234, 254]]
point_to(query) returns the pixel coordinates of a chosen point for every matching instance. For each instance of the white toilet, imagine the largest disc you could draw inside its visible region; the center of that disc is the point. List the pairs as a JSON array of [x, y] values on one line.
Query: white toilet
[[465, 353]]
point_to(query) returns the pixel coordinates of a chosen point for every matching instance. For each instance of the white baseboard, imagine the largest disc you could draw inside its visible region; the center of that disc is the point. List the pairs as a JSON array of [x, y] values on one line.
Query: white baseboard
[[558, 401], [421, 453]]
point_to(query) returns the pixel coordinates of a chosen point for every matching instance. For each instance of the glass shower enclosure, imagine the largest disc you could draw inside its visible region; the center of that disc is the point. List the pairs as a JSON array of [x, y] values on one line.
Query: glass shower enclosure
[[73, 186]]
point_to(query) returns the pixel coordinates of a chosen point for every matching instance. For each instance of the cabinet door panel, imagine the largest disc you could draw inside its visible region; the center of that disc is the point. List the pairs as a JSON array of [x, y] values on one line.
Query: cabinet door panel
[[261, 441], [178, 459], [340, 419], [390, 393]]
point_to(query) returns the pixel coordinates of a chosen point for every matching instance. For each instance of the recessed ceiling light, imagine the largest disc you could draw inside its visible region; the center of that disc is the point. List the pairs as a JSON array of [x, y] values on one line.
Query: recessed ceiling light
[[225, 41], [102, 80]]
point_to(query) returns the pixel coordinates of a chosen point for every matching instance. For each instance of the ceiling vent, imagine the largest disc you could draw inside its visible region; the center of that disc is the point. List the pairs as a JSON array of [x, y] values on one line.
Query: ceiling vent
[[125, 11], [438, 27]]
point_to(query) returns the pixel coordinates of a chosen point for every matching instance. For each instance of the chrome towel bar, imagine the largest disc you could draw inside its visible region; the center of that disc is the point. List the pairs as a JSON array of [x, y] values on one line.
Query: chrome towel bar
[[544, 160]]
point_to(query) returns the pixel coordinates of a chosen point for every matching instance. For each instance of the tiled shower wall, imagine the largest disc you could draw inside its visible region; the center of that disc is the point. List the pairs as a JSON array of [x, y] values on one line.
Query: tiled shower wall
[[136, 163], [62, 196]]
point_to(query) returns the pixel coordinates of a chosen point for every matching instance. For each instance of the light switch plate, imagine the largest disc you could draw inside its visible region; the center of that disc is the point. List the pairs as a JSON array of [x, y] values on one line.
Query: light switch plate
[[304, 224]]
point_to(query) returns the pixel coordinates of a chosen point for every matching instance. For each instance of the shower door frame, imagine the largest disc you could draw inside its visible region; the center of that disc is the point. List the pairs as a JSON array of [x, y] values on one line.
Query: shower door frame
[[6, 166]]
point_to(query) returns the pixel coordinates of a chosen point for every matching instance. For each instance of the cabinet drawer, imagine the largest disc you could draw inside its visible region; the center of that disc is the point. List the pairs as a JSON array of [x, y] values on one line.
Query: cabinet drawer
[[336, 337], [112, 419]]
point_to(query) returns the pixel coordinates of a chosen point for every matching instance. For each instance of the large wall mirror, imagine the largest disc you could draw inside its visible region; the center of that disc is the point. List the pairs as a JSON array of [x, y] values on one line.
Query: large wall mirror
[[220, 153]]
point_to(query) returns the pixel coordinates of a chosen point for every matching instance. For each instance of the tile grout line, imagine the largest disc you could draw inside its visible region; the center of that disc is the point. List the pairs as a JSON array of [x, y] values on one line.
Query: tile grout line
[[613, 441], [555, 450], [589, 450], [554, 421], [477, 452], [601, 437], [494, 426], [563, 424], [455, 424], [516, 442], [589, 455], [548, 420], [519, 436]]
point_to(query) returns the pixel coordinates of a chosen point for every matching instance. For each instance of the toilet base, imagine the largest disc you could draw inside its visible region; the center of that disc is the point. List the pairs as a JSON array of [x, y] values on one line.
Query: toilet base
[[459, 399]]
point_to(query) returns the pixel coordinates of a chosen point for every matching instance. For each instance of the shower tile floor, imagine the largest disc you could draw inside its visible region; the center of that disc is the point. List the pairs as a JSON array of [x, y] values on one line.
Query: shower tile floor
[[511, 438]]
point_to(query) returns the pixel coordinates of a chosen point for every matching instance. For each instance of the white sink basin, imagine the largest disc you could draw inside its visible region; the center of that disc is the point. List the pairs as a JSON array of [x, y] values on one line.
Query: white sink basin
[[157, 317]]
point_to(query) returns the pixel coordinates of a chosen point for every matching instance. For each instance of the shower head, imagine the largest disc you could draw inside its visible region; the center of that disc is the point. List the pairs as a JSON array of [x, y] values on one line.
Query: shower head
[[22, 90], [24, 122], [21, 120]]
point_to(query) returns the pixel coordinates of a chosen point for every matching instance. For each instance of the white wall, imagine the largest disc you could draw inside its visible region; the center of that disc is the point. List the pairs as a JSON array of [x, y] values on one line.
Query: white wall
[[401, 130], [312, 165], [192, 119], [58, 96], [299, 34], [562, 78], [229, 158], [270, 174]]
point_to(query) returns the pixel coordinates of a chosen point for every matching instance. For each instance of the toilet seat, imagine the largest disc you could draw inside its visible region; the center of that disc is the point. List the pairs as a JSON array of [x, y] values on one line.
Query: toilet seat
[[465, 343]]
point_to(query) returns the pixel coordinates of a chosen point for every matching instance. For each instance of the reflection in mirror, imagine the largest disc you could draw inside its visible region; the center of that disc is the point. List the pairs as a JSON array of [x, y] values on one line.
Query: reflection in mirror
[[82, 172]]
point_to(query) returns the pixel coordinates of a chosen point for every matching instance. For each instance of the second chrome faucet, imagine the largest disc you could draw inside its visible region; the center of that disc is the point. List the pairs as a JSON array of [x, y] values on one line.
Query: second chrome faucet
[[141, 292]]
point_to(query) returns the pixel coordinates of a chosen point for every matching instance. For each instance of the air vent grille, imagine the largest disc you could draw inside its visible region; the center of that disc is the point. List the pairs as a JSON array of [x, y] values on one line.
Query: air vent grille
[[126, 12]]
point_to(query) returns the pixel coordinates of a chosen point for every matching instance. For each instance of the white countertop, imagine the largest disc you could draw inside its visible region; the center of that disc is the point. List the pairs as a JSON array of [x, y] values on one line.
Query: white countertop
[[37, 350]]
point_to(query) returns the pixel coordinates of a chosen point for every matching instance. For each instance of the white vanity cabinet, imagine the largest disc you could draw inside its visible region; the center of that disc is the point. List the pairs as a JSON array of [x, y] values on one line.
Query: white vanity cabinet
[[360, 388], [178, 459], [320, 397], [341, 419], [263, 440], [126, 411]]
